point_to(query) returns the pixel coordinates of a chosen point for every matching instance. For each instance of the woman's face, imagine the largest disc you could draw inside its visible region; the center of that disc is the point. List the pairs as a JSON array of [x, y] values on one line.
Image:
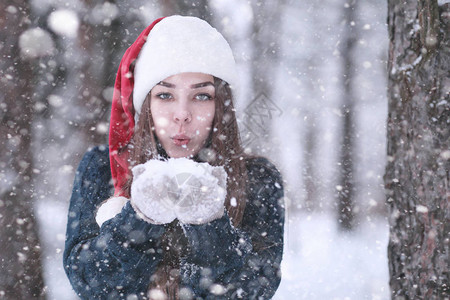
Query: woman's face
[[183, 107]]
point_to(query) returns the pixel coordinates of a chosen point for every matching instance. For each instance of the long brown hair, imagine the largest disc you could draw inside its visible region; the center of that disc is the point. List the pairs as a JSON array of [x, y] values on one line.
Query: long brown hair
[[222, 148]]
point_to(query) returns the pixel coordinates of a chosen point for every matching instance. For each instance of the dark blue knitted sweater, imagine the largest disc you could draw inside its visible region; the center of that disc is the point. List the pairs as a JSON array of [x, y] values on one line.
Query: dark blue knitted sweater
[[117, 260]]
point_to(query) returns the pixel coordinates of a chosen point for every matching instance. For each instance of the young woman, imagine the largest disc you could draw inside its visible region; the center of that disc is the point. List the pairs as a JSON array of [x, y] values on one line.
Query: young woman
[[128, 235]]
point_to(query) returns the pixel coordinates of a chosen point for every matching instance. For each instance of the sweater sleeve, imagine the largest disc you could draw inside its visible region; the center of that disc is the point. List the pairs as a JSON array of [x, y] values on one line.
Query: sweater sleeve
[[228, 263], [116, 260]]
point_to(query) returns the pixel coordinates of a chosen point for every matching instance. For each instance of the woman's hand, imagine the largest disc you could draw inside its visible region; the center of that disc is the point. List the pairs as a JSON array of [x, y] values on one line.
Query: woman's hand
[[149, 196], [178, 188], [200, 197]]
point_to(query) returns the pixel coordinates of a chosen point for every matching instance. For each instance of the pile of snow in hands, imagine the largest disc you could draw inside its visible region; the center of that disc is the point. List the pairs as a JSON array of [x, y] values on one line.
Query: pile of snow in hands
[[182, 186]]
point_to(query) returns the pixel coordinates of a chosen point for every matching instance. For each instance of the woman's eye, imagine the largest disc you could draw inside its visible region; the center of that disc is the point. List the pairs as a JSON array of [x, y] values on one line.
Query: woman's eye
[[203, 97], [164, 96]]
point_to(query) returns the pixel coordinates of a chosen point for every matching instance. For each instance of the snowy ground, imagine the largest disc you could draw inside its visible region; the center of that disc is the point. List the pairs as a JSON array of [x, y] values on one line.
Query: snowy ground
[[322, 263], [319, 262]]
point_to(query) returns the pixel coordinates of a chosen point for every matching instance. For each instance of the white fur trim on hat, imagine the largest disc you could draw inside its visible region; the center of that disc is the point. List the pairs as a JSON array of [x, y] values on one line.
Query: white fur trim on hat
[[109, 209], [179, 44]]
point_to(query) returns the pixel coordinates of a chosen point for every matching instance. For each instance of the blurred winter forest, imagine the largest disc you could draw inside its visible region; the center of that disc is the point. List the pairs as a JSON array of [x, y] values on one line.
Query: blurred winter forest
[[313, 98]]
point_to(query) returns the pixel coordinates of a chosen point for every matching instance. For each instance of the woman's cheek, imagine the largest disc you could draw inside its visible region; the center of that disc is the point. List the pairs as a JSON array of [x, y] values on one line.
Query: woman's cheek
[[162, 121], [161, 124]]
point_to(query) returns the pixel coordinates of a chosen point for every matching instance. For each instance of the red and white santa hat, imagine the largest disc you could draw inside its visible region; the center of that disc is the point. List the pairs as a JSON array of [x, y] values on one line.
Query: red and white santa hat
[[169, 46]]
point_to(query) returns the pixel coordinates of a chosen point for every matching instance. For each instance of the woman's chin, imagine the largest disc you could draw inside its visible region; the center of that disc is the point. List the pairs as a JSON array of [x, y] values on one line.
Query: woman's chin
[[181, 152]]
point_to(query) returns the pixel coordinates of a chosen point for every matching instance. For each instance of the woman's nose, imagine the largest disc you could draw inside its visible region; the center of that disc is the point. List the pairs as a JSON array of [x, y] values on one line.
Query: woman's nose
[[182, 115]]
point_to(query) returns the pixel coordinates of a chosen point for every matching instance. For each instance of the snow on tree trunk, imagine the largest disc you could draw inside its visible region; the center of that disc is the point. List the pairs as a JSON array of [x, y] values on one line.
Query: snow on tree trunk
[[417, 172], [20, 263]]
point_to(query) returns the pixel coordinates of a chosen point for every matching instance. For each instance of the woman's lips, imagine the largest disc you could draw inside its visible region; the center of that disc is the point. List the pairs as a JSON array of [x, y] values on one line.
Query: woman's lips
[[181, 139]]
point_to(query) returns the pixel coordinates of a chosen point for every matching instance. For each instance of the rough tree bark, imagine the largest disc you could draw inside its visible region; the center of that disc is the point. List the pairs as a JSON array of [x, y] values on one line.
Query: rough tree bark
[[20, 263], [417, 172], [346, 179]]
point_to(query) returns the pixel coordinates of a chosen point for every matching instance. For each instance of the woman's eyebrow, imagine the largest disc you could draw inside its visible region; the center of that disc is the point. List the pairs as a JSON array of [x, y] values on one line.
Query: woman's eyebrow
[[194, 86], [202, 84], [166, 84]]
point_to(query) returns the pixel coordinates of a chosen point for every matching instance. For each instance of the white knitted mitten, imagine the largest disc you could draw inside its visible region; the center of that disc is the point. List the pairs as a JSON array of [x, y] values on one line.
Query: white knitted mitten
[[200, 194], [149, 196]]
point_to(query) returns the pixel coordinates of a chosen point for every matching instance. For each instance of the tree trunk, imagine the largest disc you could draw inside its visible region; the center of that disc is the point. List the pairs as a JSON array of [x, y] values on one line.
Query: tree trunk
[[417, 172], [346, 178], [99, 42], [266, 52], [20, 263], [310, 177]]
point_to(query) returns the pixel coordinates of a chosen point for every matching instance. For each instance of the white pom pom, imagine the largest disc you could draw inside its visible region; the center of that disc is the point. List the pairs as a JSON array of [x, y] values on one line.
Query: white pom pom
[[109, 209]]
